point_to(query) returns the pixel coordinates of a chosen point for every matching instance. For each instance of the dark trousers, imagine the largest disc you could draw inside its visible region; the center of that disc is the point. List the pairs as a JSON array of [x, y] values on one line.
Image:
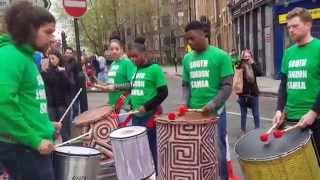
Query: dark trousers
[[75, 110], [151, 132], [23, 163], [222, 145], [55, 113], [1, 169], [246, 102]]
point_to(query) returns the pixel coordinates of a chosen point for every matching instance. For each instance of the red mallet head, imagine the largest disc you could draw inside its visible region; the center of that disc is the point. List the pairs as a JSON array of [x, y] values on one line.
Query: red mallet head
[[89, 72], [152, 123], [264, 137], [114, 116], [89, 84], [182, 110], [171, 116], [278, 134]]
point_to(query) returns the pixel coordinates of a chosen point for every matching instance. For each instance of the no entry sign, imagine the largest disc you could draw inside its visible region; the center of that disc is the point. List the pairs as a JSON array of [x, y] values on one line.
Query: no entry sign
[[75, 8]]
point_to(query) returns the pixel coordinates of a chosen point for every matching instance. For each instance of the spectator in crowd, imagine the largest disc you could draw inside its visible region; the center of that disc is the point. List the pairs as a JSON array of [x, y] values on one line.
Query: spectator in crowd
[[74, 71], [58, 90], [249, 98]]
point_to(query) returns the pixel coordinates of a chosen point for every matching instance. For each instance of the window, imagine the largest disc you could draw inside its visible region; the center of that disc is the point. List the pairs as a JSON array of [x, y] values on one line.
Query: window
[[156, 42], [155, 23], [182, 42], [129, 31], [165, 21]]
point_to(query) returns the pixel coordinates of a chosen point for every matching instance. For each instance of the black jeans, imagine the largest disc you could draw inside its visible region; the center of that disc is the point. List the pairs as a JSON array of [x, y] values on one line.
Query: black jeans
[[152, 136], [24, 163], [1, 169], [55, 113]]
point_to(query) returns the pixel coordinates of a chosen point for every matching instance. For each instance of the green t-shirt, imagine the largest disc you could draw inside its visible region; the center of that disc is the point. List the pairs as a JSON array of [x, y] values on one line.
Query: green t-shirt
[[204, 73], [302, 67], [145, 84], [23, 104], [120, 72]]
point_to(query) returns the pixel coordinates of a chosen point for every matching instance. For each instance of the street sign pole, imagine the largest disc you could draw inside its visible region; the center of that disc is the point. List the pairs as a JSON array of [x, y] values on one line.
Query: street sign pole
[[76, 31], [76, 8]]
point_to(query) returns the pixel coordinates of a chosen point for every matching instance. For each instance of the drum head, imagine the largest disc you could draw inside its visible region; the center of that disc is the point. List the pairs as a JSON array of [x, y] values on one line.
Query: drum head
[[77, 151], [250, 147], [127, 132], [92, 116]]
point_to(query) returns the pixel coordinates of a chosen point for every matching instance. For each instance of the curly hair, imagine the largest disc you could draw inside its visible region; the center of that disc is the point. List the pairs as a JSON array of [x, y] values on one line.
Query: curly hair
[[23, 20]]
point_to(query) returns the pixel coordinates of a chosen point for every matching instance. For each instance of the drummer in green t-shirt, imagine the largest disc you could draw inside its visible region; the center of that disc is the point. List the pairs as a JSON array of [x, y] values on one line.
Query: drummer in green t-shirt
[[149, 89], [207, 82], [299, 92], [120, 73]]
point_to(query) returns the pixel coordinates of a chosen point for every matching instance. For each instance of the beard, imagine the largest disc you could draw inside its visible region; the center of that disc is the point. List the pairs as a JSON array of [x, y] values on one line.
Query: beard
[[298, 37]]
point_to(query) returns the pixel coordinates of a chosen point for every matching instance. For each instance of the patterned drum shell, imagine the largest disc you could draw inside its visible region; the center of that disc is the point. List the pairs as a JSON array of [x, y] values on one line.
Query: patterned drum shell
[[186, 147], [291, 157], [102, 124]]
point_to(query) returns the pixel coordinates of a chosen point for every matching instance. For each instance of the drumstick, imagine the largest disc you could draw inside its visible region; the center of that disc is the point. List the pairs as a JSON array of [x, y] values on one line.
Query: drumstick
[[128, 113], [114, 115], [265, 136], [74, 139], [272, 128], [279, 133], [195, 110], [70, 105]]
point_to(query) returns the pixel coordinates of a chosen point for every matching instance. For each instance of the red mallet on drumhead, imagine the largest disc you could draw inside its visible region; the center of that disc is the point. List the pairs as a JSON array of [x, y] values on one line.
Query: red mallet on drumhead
[[182, 110], [264, 137], [279, 133], [171, 116]]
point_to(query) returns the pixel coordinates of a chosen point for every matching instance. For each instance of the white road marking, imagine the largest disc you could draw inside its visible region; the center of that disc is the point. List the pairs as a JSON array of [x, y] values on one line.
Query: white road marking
[[238, 114]]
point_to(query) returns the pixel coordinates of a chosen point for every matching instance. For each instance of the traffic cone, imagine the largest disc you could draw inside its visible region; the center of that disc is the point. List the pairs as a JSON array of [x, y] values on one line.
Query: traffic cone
[[231, 172]]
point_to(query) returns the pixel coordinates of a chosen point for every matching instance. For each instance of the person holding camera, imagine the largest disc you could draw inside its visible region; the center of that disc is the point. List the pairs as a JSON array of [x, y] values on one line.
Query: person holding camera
[[249, 97]]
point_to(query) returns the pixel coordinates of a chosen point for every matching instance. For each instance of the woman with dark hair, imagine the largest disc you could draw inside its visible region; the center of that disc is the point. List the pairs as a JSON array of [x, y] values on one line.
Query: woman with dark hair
[[58, 90], [120, 73], [26, 133], [249, 98]]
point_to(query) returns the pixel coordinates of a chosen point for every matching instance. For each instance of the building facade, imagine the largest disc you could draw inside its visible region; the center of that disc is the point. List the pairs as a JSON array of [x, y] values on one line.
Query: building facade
[[253, 29], [164, 28]]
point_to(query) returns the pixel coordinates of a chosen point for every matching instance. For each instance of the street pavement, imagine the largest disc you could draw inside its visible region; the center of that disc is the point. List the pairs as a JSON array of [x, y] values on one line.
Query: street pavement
[[267, 85], [267, 106]]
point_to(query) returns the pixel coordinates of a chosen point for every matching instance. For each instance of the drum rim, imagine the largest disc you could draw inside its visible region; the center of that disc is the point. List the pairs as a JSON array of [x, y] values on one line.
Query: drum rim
[[270, 158], [94, 120], [145, 131], [79, 155], [183, 122]]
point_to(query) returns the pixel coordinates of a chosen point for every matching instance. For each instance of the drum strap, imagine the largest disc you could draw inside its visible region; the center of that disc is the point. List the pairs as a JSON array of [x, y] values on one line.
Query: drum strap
[[121, 101], [126, 122]]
